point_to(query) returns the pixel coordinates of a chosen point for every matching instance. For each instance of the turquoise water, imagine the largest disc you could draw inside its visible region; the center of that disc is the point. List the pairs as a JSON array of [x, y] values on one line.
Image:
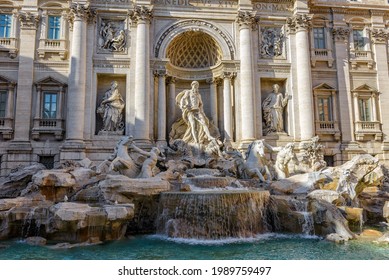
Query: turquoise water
[[152, 247]]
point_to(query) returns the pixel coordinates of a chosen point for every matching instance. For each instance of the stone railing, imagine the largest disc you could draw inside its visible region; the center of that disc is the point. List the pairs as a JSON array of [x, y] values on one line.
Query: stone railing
[[52, 46], [325, 125], [6, 129], [9, 45], [363, 129], [322, 55], [368, 126], [48, 126], [361, 56]]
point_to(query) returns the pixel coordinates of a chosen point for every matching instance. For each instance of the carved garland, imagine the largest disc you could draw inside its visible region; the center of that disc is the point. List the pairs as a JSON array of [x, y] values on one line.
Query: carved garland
[[191, 23]]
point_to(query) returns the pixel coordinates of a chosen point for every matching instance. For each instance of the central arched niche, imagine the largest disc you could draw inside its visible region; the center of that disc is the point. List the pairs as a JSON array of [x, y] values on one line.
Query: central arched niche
[[194, 50]]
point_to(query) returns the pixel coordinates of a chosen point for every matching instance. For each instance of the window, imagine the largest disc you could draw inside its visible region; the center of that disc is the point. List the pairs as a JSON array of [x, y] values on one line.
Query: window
[[54, 28], [359, 40], [49, 105], [319, 38], [3, 103], [325, 109], [364, 109], [5, 25]]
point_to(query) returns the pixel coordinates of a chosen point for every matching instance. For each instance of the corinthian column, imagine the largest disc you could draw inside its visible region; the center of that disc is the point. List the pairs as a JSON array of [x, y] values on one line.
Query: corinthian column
[[28, 28], [299, 24], [380, 39], [161, 75], [246, 22], [227, 106], [141, 16], [213, 99], [79, 13], [341, 36]]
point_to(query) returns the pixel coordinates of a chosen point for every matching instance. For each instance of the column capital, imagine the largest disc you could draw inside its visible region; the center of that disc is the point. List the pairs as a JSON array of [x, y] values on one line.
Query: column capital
[[228, 75], [160, 73], [341, 34], [379, 36], [28, 20], [81, 12], [171, 80], [299, 22], [247, 19], [140, 14]]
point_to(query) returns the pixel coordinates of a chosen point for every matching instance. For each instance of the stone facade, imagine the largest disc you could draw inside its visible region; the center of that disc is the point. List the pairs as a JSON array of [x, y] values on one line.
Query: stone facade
[[59, 58]]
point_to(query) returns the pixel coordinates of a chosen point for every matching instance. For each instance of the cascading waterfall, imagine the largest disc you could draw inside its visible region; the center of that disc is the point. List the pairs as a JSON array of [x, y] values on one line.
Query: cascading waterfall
[[307, 225], [213, 214]]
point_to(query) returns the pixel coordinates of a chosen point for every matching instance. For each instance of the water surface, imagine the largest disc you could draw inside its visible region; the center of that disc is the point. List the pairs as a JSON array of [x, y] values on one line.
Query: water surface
[[154, 247]]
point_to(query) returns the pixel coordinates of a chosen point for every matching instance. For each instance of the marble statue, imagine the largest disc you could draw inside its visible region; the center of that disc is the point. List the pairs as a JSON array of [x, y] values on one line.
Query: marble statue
[[122, 160], [271, 42], [149, 164], [285, 155], [313, 155], [273, 108], [193, 115], [111, 109], [256, 164], [112, 37]]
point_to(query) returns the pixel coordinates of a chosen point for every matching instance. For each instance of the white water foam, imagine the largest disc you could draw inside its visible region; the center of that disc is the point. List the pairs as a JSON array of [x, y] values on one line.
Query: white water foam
[[256, 238]]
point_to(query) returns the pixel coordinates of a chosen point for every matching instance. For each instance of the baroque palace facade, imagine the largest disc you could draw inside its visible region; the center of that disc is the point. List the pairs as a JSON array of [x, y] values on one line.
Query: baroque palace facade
[[77, 75]]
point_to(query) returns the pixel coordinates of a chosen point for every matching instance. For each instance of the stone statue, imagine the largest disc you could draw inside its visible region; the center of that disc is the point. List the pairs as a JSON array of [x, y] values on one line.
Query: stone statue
[[111, 108], [123, 161], [256, 163], [285, 155], [149, 164], [313, 155], [273, 108], [193, 115]]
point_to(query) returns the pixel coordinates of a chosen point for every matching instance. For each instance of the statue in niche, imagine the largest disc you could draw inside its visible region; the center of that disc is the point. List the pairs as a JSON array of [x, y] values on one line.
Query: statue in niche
[[273, 108], [197, 129], [112, 37], [272, 42], [111, 109]]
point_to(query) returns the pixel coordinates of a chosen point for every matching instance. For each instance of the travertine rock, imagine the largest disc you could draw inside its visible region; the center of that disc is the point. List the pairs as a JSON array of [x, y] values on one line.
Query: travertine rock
[[12, 185], [299, 184], [327, 195], [328, 219]]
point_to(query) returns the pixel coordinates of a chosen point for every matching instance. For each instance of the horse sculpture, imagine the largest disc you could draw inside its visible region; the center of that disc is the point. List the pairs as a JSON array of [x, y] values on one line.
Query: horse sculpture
[[121, 160], [256, 164]]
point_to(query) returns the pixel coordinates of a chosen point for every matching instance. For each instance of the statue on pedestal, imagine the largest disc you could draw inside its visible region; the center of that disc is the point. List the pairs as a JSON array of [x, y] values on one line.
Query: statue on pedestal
[[273, 108], [111, 108]]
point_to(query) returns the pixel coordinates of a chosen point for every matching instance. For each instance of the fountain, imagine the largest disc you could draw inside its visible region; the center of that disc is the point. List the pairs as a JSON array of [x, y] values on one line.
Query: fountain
[[199, 188]]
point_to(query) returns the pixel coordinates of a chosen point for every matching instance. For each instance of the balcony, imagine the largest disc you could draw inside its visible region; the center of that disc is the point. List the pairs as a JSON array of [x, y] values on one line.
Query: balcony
[[321, 55], [48, 126], [327, 128], [9, 45], [6, 128], [361, 56], [47, 46], [363, 129]]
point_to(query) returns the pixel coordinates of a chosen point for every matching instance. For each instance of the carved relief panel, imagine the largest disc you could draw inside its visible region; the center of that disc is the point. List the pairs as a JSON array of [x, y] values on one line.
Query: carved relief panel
[[112, 36], [272, 42]]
